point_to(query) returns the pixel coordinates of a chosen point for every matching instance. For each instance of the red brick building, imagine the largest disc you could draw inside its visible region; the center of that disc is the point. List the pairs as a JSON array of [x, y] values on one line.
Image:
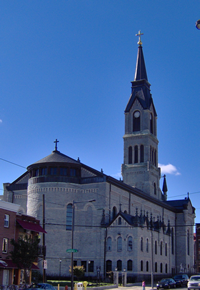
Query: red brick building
[[13, 226]]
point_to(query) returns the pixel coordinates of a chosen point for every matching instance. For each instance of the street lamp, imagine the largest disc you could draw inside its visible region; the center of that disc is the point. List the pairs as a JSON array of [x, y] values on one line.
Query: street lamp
[[72, 253], [60, 268], [198, 24]]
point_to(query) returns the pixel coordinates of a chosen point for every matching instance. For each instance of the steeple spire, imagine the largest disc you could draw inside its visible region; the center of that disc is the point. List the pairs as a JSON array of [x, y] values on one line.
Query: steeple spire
[[140, 70], [164, 188]]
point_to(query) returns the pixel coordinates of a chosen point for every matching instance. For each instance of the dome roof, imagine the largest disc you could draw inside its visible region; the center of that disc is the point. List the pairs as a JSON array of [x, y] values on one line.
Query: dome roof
[[54, 157]]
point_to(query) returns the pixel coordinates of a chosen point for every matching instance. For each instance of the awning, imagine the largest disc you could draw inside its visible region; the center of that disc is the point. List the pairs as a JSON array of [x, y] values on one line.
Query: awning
[[31, 226], [8, 264]]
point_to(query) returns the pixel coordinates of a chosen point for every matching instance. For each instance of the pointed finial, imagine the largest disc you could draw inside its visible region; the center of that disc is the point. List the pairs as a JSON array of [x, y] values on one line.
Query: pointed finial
[[139, 34]]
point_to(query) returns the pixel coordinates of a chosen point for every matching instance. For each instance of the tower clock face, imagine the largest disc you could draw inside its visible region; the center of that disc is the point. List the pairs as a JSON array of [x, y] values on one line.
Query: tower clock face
[[136, 114]]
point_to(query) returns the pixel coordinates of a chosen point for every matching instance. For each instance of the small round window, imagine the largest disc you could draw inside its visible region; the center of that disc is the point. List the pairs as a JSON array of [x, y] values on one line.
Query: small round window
[[137, 114]]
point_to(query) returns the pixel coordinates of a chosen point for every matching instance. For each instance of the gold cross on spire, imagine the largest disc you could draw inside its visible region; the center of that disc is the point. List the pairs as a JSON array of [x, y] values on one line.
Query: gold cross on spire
[[139, 34]]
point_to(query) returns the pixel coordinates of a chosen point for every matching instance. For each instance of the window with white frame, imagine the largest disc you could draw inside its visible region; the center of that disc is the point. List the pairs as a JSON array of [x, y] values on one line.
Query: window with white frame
[[5, 245], [6, 220]]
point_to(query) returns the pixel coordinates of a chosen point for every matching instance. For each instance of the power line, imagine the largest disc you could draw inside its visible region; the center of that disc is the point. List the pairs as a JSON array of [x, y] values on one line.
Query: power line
[[12, 163]]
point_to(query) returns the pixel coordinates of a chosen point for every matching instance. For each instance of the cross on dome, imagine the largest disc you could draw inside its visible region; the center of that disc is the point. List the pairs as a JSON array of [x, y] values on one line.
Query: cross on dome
[[56, 142]]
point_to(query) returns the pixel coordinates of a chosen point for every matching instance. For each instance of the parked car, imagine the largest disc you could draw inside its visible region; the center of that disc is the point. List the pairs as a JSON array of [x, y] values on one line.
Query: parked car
[[39, 286], [166, 283], [194, 282], [181, 280]]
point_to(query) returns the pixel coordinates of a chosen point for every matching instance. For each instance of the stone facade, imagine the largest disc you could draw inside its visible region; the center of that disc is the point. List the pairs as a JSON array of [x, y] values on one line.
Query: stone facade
[[130, 225]]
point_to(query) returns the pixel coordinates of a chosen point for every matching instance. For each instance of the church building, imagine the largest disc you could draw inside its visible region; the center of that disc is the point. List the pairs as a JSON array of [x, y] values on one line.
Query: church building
[[123, 225]]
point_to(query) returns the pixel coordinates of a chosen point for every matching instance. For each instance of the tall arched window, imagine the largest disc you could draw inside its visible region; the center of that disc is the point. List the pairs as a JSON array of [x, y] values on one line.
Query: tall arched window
[[141, 153], [141, 244], [69, 215], [135, 154], [89, 216], [147, 246], [166, 268], [119, 265], [156, 267], [141, 265], [114, 212], [119, 244], [147, 266], [154, 185], [156, 247], [151, 123], [130, 160], [161, 248], [119, 221], [165, 249], [108, 266], [129, 265], [160, 267], [130, 244], [136, 121], [109, 244]]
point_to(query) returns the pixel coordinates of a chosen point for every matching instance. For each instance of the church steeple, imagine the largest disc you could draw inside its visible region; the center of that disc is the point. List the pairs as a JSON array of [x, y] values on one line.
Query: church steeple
[[140, 167], [140, 70]]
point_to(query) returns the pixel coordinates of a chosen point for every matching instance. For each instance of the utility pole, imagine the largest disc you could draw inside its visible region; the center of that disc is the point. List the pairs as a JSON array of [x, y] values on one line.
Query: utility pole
[[44, 247]]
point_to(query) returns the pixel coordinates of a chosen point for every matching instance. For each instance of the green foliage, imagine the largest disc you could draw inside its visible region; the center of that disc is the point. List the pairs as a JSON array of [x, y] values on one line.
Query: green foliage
[[25, 252], [79, 271]]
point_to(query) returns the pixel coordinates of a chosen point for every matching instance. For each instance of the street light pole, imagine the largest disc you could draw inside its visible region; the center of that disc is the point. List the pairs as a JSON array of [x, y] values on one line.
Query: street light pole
[[72, 244], [72, 254]]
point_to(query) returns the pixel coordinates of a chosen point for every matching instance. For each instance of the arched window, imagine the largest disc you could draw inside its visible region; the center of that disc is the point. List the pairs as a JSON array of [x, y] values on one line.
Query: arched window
[[109, 244], [119, 221], [154, 185], [136, 121], [129, 265], [141, 244], [108, 266], [161, 248], [130, 160], [156, 267], [119, 244], [151, 123], [156, 247], [141, 265], [165, 249], [166, 268], [147, 266], [147, 246], [141, 153], [160, 267], [130, 244], [135, 154], [114, 212], [89, 216], [119, 265], [69, 215]]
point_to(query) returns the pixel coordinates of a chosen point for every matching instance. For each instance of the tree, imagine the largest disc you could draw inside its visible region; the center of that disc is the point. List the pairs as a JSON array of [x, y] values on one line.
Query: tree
[[79, 271], [25, 252]]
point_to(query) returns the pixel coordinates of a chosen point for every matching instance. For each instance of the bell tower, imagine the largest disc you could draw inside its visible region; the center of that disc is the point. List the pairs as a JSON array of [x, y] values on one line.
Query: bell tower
[[140, 168]]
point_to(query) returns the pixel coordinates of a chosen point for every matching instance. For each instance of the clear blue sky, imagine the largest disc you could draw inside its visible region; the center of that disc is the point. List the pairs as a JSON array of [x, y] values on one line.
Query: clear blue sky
[[65, 73]]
